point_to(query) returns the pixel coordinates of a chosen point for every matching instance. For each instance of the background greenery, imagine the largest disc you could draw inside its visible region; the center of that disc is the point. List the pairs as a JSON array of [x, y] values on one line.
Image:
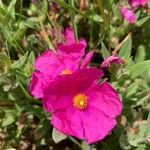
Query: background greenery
[[27, 28]]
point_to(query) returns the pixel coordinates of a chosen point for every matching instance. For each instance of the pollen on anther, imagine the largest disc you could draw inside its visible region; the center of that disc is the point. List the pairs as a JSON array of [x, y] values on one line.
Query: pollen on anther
[[66, 71], [80, 101]]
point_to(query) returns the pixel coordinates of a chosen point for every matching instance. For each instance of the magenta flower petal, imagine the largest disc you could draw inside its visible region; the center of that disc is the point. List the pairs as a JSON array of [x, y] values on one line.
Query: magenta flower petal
[[96, 124], [109, 102], [112, 60], [48, 63], [53, 103], [137, 3], [143, 2], [87, 59], [69, 122], [38, 82], [128, 15], [53, 64], [134, 3], [74, 50]]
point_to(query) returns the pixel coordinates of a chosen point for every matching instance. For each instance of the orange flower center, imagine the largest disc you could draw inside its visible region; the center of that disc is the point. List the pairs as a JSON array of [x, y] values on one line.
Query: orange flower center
[[65, 72], [80, 101]]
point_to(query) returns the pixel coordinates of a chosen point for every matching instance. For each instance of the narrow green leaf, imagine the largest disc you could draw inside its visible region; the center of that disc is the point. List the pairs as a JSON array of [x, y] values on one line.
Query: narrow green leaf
[[125, 51], [18, 35], [132, 89], [11, 8], [74, 21], [142, 21], [1, 3], [139, 68], [141, 54], [105, 52], [30, 63], [23, 89], [19, 63]]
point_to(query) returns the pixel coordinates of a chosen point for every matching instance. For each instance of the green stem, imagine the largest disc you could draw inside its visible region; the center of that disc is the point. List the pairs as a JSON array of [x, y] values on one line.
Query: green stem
[[21, 5], [74, 9], [101, 7], [106, 19], [74, 21], [91, 31], [75, 141]]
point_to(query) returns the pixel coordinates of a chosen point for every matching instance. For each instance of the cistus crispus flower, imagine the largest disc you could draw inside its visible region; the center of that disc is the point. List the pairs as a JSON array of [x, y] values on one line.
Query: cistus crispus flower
[[128, 15], [81, 106]]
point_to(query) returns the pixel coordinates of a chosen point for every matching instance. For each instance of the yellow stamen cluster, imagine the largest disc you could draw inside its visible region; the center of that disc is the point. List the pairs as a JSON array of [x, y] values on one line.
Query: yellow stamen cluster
[[65, 72], [80, 101]]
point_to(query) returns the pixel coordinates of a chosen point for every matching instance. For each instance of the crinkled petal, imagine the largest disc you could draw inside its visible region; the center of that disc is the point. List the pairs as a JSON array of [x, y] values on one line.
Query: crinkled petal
[[38, 83], [48, 63], [96, 124], [110, 60], [69, 122], [70, 63], [74, 50], [54, 101], [78, 81], [87, 59], [105, 98]]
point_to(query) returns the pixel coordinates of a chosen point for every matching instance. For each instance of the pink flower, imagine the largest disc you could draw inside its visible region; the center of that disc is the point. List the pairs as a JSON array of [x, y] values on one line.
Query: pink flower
[[82, 107], [51, 64], [128, 15], [110, 60], [138, 3]]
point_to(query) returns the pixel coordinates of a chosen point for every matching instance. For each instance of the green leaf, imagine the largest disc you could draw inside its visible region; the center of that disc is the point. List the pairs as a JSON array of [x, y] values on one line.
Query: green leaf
[[141, 54], [31, 22], [85, 146], [30, 63], [142, 21], [18, 35], [1, 4], [139, 68], [132, 89], [19, 63], [125, 51], [58, 136], [96, 18], [11, 8], [9, 119], [105, 52]]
